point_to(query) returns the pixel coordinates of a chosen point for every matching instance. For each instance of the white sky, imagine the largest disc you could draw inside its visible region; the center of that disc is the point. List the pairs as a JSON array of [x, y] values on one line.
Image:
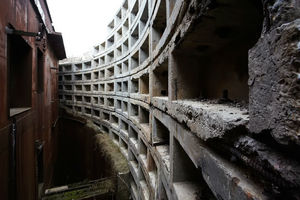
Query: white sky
[[83, 23]]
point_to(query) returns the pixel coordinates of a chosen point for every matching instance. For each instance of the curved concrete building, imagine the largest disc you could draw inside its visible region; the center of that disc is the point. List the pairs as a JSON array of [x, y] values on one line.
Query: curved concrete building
[[200, 96]]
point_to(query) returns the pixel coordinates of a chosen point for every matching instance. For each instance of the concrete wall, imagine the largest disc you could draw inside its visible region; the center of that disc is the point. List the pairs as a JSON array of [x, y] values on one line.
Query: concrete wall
[[170, 86]]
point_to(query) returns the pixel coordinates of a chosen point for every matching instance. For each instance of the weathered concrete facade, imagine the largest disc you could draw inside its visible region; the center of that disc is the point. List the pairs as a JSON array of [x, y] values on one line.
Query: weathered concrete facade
[[201, 97], [274, 74], [29, 53]]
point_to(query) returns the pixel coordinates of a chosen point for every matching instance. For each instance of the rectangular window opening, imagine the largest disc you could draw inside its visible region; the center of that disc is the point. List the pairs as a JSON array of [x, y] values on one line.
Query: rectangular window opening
[[144, 84], [19, 74], [187, 179], [144, 51], [160, 80], [159, 24], [135, 60], [78, 66]]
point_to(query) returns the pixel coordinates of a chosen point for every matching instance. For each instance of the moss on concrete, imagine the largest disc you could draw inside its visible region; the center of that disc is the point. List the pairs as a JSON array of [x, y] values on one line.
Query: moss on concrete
[[112, 152], [103, 143]]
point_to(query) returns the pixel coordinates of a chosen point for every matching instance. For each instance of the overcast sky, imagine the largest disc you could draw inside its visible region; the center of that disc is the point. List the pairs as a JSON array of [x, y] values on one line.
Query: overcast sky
[[83, 23]]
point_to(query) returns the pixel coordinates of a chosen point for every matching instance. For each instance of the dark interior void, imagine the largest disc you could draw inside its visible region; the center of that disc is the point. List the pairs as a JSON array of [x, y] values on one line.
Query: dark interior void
[[19, 72], [78, 158], [212, 60]]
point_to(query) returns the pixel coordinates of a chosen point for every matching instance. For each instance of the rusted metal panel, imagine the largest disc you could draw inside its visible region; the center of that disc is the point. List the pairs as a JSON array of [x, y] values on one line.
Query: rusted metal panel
[[4, 164], [25, 160], [35, 123]]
